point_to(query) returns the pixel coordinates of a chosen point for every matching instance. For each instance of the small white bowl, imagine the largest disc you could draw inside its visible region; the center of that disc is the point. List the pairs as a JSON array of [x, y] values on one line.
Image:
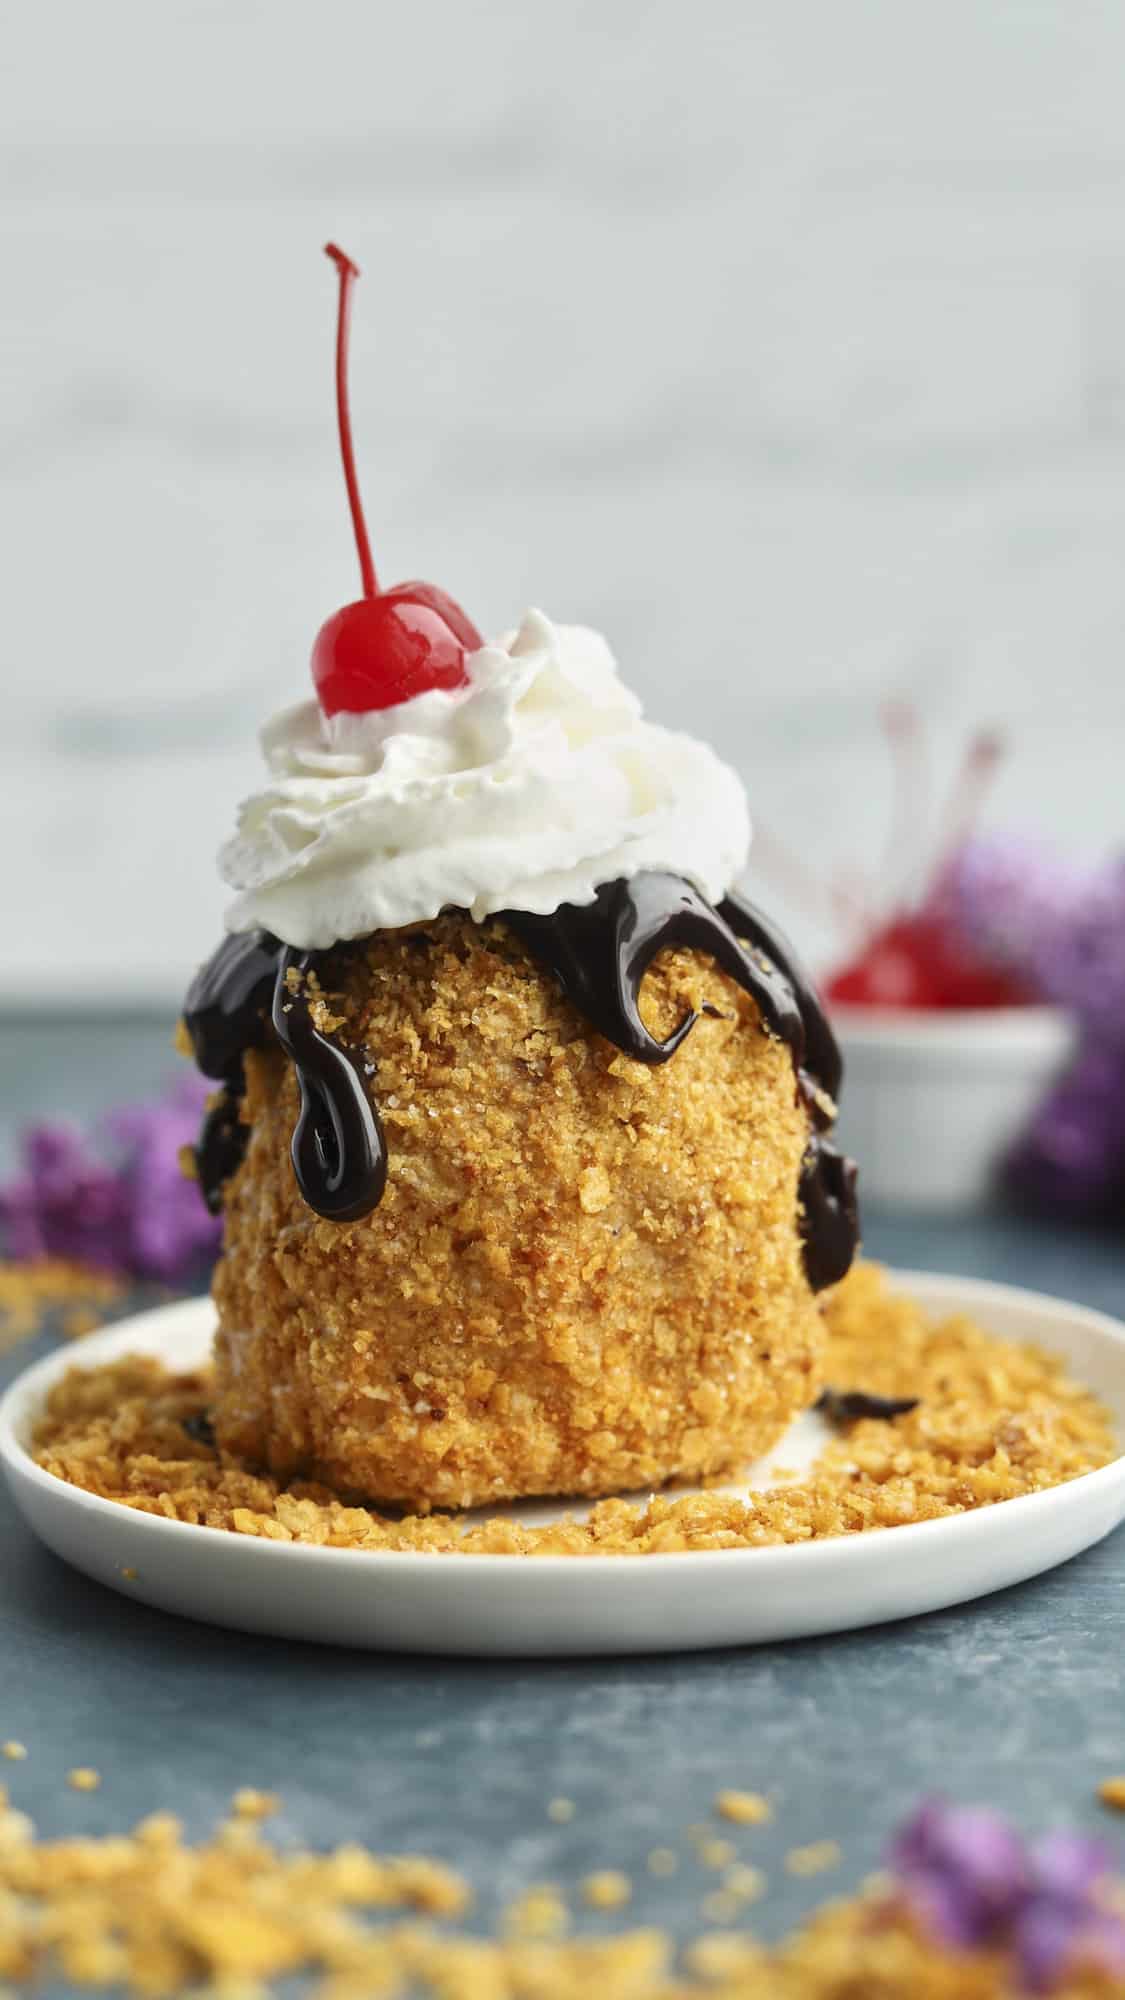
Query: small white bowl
[[932, 1097]]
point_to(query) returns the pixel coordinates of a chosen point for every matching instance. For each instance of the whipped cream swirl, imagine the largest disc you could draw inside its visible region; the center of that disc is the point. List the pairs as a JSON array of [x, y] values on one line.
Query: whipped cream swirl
[[530, 787]]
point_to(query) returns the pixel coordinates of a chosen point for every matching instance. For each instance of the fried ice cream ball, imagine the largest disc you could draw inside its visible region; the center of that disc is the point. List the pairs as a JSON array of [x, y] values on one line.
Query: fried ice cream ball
[[585, 1275]]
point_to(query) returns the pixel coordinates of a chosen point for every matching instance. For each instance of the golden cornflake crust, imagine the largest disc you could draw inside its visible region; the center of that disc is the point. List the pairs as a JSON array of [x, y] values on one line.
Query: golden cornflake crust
[[994, 1421], [585, 1275]]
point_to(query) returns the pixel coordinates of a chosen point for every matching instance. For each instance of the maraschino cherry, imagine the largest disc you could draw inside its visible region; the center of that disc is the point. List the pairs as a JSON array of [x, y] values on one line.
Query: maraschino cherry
[[390, 644], [912, 958], [912, 961]]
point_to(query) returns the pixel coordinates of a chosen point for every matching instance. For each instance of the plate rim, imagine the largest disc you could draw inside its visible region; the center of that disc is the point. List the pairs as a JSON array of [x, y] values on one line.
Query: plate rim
[[19, 1466]]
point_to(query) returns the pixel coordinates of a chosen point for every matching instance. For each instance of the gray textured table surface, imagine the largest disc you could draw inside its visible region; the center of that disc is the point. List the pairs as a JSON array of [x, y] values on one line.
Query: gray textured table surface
[[1016, 1699]]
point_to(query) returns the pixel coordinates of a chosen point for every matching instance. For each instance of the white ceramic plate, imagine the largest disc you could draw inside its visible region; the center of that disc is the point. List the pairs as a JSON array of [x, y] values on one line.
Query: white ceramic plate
[[541, 1605]]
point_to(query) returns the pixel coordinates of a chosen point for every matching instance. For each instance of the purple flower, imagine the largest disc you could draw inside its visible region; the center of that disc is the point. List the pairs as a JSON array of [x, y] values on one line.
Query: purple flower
[[1081, 962], [120, 1205], [973, 1883], [1064, 1922], [1072, 1156], [964, 1871], [170, 1229], [64, 1202], [1008, 900], [1061, 930]]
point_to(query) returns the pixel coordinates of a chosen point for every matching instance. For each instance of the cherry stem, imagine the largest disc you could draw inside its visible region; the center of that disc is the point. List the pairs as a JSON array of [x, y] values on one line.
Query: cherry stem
[[349, 272], [902, 861], [962, 810]]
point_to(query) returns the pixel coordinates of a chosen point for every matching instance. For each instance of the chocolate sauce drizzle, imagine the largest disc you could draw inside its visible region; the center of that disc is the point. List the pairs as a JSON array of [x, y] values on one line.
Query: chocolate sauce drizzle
[[844, 1407], [225, 1014], [338, 1149], [339, 1152], [599, 952]]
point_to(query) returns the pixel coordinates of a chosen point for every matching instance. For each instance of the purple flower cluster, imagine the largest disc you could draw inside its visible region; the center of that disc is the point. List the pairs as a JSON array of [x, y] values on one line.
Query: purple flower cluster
[[974, 1883], [1008, 899], [119, 1203], [1062, 933]]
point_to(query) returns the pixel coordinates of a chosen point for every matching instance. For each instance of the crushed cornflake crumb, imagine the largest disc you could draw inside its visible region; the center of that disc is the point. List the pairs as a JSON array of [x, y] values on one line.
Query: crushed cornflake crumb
[[715, 1853], [144, 1911], [159, 1829], [14, 1752], [663, 1861], [1111, 1792], [607, 1889], [83, 1779], [720, 1907], [561, 1810], [745, 1883], [150, 1916], [725, 1959], [744, 1808], [250, 1804], [28, 1291], [541, 1912], [813, 1859], [994, 1420]]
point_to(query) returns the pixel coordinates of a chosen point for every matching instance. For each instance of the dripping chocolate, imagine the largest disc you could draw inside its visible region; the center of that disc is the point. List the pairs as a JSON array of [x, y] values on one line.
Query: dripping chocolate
[[599, 953]]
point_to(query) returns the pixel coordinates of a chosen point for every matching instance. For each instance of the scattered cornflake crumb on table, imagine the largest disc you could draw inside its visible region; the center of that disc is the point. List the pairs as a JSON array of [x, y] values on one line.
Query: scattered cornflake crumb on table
[[994, 1420], [541, 1912], [248, 1803], [663, 1861], [159, 1829], [14, 1752], [79, 1320], [1111, 1792], [561, 1810], [720, 1907], [144, 1911], [153, 1917], [744, 1808], [28, 1291], [83, 1779], [813, 1859], [715, 1853], [745, 1883], [607, 1889], [724, 1958]]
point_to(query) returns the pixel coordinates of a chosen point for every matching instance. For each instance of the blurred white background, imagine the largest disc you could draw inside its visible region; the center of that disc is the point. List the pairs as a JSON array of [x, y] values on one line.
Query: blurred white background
[[783, 340]]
